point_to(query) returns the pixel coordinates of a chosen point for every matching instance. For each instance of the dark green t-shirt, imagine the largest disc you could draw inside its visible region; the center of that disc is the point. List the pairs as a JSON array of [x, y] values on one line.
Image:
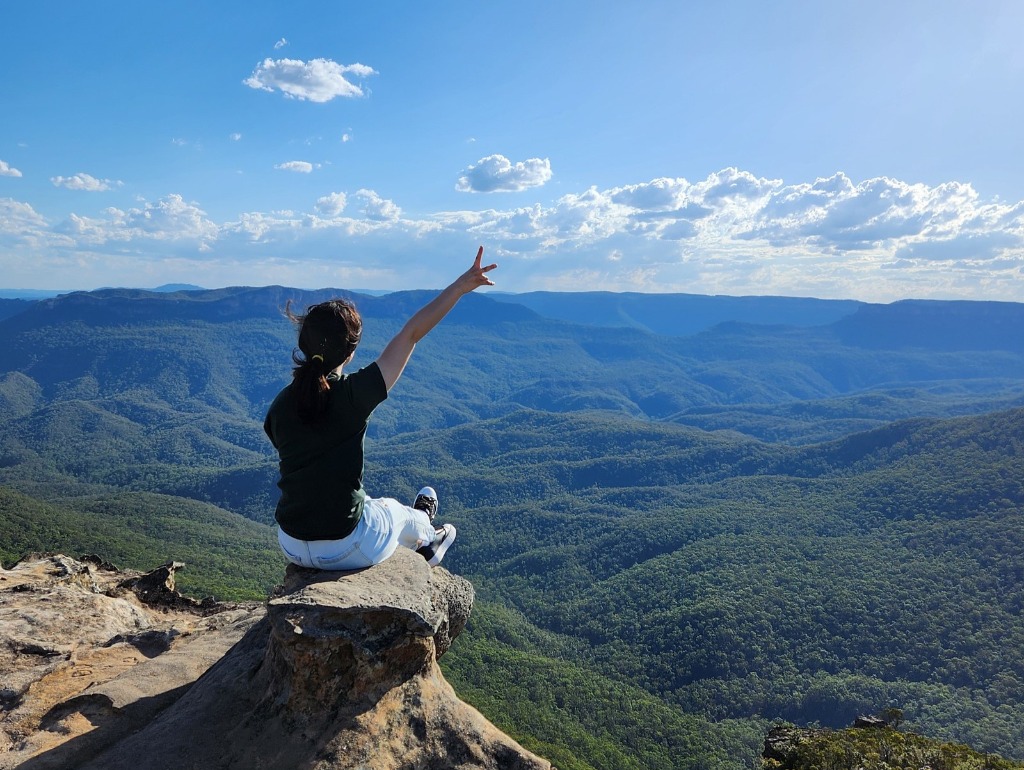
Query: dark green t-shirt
[[322, 465]]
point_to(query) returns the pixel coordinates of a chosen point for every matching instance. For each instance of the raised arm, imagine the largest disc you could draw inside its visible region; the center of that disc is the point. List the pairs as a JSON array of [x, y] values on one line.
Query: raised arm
[[396, 355]]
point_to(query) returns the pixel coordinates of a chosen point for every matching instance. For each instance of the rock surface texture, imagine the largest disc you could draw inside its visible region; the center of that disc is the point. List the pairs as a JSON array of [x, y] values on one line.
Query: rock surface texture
[[99, 669]]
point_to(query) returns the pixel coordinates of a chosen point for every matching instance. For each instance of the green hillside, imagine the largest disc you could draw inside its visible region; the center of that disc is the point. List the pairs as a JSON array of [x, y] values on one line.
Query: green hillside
[[224, 354], [226, 556], [674, 539], [739, 580], [584, 721]]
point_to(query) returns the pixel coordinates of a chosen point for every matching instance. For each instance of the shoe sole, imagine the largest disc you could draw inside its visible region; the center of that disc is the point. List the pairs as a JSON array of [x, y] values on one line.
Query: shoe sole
[[442, 547]]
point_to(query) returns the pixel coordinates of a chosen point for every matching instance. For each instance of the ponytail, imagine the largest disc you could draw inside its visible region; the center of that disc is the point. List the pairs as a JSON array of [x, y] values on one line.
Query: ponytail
[[328, 336]]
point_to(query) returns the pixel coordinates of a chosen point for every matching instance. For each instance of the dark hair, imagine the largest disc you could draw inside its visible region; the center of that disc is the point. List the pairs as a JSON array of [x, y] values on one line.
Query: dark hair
[[328, 335]]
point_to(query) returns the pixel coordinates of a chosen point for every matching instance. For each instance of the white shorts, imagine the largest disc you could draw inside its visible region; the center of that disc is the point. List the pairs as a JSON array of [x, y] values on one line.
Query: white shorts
[[384, 525]]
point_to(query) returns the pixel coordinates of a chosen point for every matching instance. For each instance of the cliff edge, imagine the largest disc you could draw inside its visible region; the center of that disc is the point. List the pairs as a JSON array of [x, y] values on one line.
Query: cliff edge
[[102, 669]]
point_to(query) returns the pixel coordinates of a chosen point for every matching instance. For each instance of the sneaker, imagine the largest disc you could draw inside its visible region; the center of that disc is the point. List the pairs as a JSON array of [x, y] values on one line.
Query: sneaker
[[426, 501], [443, 539]]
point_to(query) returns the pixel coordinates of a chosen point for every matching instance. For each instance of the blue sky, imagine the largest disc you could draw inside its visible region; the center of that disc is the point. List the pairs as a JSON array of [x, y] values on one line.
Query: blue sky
[[866, 150]]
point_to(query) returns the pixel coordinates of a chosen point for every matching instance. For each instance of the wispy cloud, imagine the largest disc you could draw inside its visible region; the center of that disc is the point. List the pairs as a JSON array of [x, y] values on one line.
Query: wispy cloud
[[235, 137], [6, 170], [496, 173], [84, 182], [299, 166], [20, 219], [280, 44], [318, 80]]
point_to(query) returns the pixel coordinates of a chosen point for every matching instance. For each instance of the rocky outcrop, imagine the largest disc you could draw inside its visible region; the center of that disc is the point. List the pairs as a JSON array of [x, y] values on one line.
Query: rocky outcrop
[[336, 670], [84, 661], [873, 743], [781, 743]]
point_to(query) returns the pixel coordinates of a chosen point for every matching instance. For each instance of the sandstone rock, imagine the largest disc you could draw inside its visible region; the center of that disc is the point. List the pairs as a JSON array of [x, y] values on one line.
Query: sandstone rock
[[339, 670], [867, 722], [85, 662], [783, 743]]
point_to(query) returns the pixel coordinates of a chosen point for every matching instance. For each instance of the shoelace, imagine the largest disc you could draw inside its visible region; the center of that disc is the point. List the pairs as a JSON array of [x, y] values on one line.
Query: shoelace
[[426, 504]]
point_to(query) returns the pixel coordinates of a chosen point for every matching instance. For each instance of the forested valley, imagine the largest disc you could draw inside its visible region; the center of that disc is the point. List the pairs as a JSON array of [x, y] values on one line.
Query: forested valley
[[685, 520]]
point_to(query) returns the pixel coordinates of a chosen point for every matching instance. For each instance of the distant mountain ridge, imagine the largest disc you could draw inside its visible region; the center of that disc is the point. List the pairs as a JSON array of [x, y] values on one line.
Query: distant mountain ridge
[[935, 325], [171, 287], [116, 306], [679, 315], [794, 383], [953, 324], [9, 307]]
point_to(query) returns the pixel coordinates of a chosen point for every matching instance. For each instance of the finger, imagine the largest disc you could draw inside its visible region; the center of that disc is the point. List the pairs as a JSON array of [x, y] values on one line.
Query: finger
[[488, 268], [479, 255]]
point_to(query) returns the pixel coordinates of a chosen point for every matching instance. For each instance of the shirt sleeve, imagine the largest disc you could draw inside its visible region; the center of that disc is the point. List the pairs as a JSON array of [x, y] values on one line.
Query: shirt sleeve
[[367, 389]]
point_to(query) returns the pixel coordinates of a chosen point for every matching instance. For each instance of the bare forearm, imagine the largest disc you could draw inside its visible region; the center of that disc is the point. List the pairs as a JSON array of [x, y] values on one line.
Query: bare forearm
[[430, 315], [395, 356]]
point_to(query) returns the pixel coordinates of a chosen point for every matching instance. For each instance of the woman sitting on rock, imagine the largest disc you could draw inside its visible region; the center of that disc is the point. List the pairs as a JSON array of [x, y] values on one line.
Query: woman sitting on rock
[[317, 423]]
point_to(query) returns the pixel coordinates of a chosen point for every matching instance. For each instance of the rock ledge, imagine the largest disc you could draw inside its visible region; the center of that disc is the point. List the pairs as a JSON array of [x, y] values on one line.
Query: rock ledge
[[336, 670]]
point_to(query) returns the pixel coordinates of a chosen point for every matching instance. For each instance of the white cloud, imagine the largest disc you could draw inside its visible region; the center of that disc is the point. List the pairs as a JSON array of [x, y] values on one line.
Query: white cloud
[[965, 246], [588, 216], [496, 173], [6, 170], [19, 218], [837, 215], [318, 80], [736, 233], [678, 230], [346, 138], [731, 232], [83, 182], [332, 205], [656, 195], [28, 244], [235, 137], [171, 220], [299, 166], [280, 43], [734, 186], [377, 208]]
